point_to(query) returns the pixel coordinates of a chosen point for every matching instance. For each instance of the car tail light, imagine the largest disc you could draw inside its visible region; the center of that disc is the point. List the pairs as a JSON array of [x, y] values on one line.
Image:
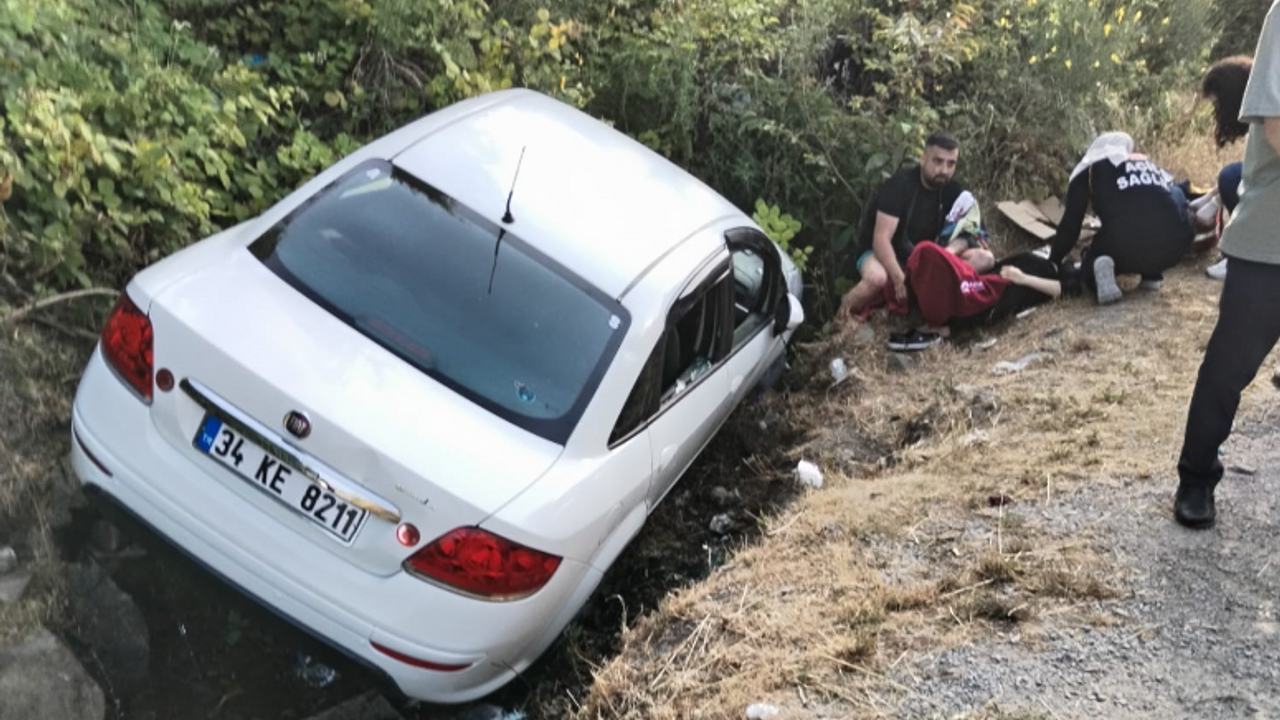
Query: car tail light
[[126, 343], [480, 563]]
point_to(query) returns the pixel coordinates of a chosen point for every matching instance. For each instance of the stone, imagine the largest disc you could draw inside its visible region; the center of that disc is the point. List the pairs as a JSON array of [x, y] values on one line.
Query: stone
[[722, 523], [13, 585], [369, 706], [8, 560], [105, 538], [900, 363], [107, 620], [721, 496], [864, 335], [40, 679], [1275, 377], [1241, 469]]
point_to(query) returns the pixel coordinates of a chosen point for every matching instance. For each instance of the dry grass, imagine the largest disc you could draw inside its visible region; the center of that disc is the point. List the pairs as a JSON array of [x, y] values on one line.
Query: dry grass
[[38, 372], [929, 545]]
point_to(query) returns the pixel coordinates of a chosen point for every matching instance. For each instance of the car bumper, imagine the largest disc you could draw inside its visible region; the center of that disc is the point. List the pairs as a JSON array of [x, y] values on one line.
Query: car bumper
[[117, 449]]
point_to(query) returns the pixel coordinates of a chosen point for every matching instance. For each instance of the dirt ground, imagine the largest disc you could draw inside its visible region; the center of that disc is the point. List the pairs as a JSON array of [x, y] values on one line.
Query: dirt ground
[[988, 544]]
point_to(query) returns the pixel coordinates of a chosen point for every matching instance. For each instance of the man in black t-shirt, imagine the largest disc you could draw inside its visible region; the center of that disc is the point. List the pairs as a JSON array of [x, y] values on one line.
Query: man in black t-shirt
[[912, 207]]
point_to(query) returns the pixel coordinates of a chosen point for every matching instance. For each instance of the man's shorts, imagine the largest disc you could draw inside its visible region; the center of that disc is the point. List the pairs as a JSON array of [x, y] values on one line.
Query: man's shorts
[[971, 241]]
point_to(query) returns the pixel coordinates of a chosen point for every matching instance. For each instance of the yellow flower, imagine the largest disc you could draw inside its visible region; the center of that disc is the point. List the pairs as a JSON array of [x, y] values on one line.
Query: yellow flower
[[1034, 59], [1031, 3], [1053, 49], [1164, 21], [1106, 30], [1137, 16], [1097, 63], [1068, 64], [1120, 14], [562, 81], [1115, 58]]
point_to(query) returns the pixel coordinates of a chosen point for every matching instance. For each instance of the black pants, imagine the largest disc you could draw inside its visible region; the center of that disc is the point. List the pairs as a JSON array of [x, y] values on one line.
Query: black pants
[[1147, 256], [1248, 327], [1017, 298]]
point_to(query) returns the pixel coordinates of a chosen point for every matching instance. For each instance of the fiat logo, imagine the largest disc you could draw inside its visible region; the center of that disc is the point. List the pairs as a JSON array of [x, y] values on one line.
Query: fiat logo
[[298, 424]]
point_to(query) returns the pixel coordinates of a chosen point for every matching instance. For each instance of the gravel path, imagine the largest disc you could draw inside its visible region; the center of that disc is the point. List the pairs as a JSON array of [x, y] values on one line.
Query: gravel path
[[1197, 633]]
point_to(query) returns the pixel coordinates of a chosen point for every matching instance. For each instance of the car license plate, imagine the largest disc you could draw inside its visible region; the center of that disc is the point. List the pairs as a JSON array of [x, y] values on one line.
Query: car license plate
[[269, 474]]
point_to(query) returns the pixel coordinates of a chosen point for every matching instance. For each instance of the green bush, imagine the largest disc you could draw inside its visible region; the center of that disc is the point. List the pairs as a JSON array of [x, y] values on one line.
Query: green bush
[[132, 128]]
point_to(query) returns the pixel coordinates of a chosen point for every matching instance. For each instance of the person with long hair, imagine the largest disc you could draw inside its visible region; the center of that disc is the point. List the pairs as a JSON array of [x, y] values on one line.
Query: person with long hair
[[1248, 324], [1223, 86]]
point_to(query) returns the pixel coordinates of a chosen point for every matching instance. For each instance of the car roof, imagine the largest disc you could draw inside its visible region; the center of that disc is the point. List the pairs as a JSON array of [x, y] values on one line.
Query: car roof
[[589, 197]]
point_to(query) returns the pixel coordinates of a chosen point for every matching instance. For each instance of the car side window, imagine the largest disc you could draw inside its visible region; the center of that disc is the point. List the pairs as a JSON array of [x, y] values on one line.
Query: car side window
[[642, 403], [750, 293], [757, 282], [698, 335]]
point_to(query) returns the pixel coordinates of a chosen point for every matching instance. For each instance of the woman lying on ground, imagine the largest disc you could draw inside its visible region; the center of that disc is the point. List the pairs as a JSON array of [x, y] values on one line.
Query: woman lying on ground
[[1145, 226], [951, 295], [1224, 86]]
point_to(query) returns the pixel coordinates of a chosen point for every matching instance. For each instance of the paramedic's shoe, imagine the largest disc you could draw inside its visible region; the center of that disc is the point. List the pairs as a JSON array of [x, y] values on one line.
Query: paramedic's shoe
[[1151, 284], [1193, 505], [913, 341], [1104, 276], [1218, 270]]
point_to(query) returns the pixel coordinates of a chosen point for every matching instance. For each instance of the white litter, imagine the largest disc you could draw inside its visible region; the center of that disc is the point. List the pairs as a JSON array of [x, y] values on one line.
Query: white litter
[[839, 371], [1008, 368], [1025, 313], [761, 711], [809, 474]]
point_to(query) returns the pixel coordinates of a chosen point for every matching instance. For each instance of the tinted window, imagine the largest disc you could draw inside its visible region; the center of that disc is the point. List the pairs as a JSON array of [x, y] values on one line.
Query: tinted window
[[451, 293]]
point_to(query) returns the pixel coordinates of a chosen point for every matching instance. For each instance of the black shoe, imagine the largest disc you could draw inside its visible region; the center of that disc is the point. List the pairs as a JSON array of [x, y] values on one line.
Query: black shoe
[[1193, 505], [913, 341]]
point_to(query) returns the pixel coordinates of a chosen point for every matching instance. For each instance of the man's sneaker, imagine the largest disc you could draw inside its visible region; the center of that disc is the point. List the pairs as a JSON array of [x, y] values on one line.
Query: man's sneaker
[[913, 341], [1151, 284], [1218, 270], [1104, 276]]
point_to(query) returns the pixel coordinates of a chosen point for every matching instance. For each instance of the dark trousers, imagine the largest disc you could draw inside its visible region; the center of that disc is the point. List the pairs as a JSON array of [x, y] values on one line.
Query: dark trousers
[[1248, 327]]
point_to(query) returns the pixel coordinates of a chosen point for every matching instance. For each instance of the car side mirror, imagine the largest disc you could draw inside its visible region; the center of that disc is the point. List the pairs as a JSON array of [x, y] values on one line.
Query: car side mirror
[[788, 315]]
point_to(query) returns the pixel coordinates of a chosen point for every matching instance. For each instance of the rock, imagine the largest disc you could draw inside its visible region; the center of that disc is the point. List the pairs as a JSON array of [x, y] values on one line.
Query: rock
[[900, 363], [13, 585], [8, 560], [105, 538], [982, 401], [107, 620], [41, 679], [369, 706], [722, 523], [65, 494], [864, 335], [1275, 377], [721, 496], [1243, 469]]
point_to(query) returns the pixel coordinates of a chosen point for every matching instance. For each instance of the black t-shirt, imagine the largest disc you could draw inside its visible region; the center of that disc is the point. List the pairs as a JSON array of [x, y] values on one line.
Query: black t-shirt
[[921, 211]]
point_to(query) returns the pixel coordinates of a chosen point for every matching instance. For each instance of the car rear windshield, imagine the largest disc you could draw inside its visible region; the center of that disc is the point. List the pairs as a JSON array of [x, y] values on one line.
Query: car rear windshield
[[457, 296]]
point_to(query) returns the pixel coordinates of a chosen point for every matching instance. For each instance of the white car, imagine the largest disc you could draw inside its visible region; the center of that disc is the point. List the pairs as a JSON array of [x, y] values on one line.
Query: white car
[[419, 406]]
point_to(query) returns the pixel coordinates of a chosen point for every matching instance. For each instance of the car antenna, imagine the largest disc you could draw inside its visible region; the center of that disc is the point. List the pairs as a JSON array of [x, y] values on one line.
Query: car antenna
[[507, 219]]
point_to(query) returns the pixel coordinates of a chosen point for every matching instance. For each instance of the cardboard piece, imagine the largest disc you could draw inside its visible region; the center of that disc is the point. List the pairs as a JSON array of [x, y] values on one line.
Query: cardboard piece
[[1025, 220], [1041, 219]]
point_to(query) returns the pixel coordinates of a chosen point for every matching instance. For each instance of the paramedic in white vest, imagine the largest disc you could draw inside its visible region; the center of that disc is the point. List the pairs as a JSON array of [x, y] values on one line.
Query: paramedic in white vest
[[1145, 226]]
